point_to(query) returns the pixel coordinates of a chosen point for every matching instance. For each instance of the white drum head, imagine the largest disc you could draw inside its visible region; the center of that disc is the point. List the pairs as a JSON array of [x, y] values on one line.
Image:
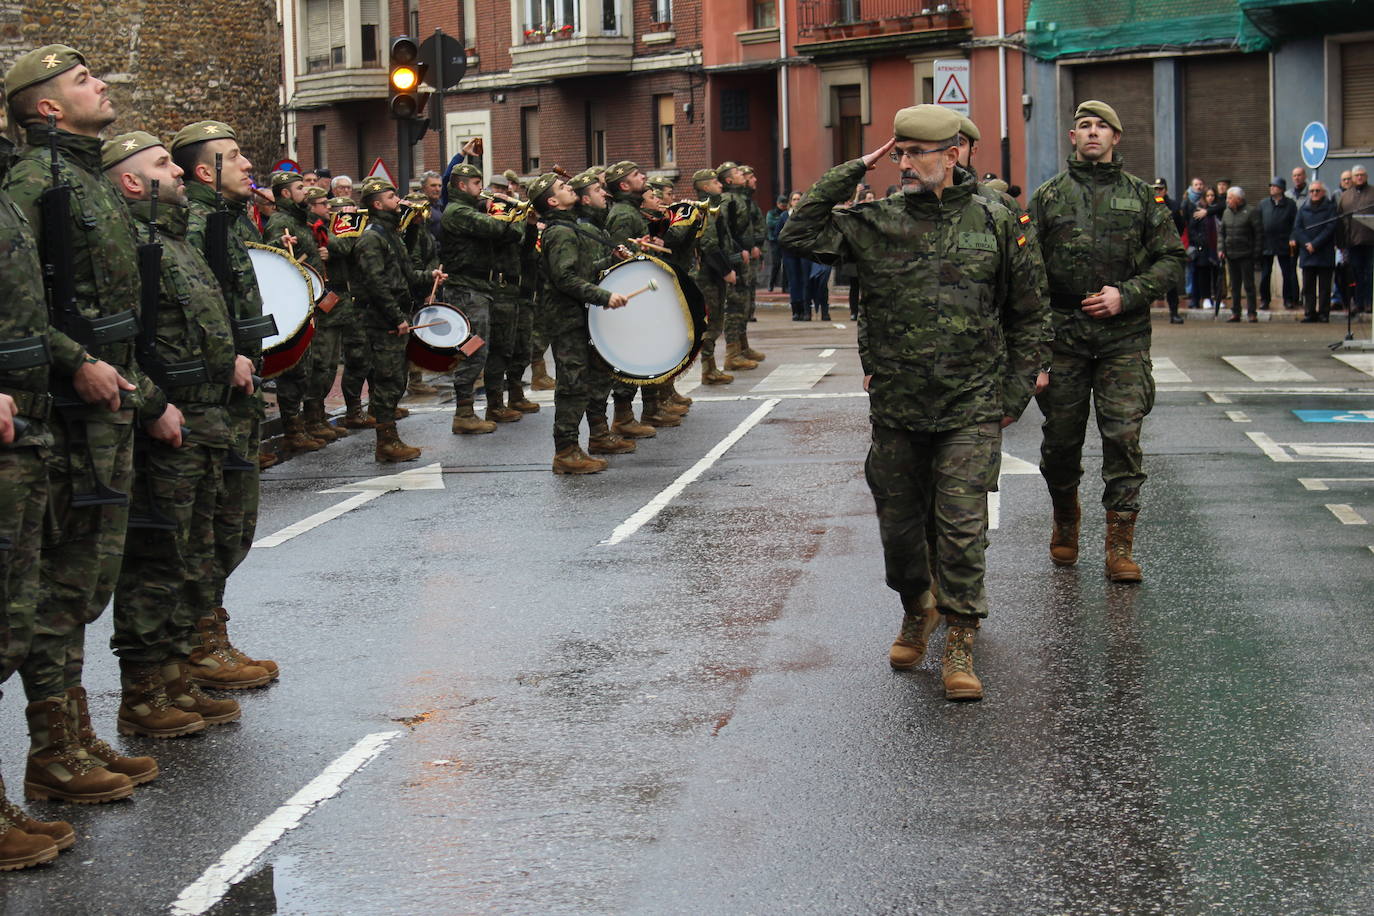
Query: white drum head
[[450, 327], [652, 335], [317, 289], [286, 292]]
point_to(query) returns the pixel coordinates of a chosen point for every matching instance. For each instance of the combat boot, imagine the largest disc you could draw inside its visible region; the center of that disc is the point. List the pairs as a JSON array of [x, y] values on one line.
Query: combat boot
[[58, 768], [515, 397], [59, 832], [1064, 538], [266, 459], [957, 670], [604, 442], [317, 424], [357, 418], [734, 359], [747, 351], [212, 665], [295, 438], [572, 460], [540, 380], [220, 634], [187, 697], [22, 849], [660, 415], [676, 398], [140, 770], [390, 448], [711, 375], [919, 620], [146, 709], [416, 385], [399, 413], [626, 426], [466, 422], [498, 412], [1120, 539]]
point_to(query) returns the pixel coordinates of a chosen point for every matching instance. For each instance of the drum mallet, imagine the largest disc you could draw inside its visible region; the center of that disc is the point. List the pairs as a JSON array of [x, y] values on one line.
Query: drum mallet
[[433, 292], [648, 287]]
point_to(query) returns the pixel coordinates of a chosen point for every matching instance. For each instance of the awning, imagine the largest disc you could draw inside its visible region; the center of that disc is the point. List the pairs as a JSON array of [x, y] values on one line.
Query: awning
[[1065, 28]]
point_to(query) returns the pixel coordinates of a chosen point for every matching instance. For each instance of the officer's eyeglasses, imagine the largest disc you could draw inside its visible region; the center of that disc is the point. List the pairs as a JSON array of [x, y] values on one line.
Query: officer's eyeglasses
[[897, 154]]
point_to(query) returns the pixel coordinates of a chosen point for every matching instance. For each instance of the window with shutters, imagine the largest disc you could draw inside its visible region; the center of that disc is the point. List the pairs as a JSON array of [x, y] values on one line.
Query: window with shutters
[[1226, 121], [849, 122], [370, 17], [596, 133], [327, 41], [1357, 94], [529, 138], [666, 143]]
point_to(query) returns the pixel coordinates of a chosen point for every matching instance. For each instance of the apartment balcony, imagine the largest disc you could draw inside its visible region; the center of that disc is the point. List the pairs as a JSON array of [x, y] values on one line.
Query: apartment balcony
[[835, 28], [561, 52], [331, 87]]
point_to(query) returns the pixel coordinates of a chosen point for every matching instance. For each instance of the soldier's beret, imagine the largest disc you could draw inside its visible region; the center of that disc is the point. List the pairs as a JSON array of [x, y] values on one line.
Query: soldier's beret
[[969, 129], [746, 169], [926, 123], [660, 182], [417, 197], [997, 184], [583, 180], [500, 181], [282, 179], [372, 185], [620, 171], [465, 170], [202, 131], [315, 193], [338, 203], [541, 187], [1095, 109], [725, 168], [115, 151], [40, 66], [703, 175], [511, 176]]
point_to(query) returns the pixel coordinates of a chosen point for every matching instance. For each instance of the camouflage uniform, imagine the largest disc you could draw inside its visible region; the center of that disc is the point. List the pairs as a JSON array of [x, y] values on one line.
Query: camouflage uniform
[[293, 385], [1099, 226], [505, 315], [522, 349], [952, 330], [383, 288], [357, 352], [736, 220], [719, 254]]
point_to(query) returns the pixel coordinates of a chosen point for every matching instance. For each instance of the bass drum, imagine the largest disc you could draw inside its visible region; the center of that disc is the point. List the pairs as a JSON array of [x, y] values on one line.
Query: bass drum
[[287, 295], [657, 335], [441, 331]]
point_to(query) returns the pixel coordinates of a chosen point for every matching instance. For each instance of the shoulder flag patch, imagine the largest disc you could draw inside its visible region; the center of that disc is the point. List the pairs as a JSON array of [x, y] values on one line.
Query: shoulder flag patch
[[1024, 218], [1020, 241], [1159, 199]]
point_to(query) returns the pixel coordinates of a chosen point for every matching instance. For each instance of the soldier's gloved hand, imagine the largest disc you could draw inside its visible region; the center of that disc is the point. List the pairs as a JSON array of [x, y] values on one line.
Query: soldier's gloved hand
[[1103, 304], [243, 374], [167, 428], [8, 410], [100, 383]]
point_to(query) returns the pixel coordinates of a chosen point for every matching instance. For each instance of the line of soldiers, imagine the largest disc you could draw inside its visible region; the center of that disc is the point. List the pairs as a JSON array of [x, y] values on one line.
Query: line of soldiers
[[130, 336]]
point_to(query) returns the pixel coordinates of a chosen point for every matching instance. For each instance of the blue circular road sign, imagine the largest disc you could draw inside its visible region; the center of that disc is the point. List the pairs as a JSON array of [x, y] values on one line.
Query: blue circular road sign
[[1314, 143]]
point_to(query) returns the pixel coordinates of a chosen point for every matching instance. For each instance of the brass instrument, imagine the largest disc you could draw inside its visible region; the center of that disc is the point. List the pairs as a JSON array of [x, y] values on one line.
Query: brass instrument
[[697, 212], [506, 209], [413, 212]]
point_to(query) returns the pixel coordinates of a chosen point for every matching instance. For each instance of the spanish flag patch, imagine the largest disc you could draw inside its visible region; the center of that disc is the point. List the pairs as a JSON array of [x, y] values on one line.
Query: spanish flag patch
[[1024, 218], [1020, 241], [1159, 199]]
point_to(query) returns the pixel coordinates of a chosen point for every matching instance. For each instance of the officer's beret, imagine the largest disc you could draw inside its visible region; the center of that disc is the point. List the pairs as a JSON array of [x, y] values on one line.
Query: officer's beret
[[703, 175], [202, 131], [40, 66], [500, 181], [282, 179], [620, 171], [583, 180], [542, 187], [115, 151], [725, 168], [372, 185], [1095, 109], [513, 177], [338, 203], [926, 123], [746, 169], [313, 194], [660, 182], [969, 129], [465, 170]]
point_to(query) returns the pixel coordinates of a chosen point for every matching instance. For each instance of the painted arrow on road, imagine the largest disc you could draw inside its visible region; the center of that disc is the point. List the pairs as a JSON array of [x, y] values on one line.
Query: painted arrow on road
[[429, 477]]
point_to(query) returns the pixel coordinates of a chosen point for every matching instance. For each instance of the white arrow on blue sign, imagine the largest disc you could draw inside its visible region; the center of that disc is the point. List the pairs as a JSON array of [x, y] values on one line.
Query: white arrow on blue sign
[[1314, 143]]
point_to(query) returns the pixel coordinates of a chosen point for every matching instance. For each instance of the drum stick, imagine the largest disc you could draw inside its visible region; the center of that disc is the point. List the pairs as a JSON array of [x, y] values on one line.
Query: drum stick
[[651, 246], [290, 249], [432, 324], [435, 291], [651, 285]]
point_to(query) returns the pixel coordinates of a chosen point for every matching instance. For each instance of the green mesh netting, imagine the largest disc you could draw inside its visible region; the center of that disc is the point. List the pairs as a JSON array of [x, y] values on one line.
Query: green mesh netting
[[1058, 28]]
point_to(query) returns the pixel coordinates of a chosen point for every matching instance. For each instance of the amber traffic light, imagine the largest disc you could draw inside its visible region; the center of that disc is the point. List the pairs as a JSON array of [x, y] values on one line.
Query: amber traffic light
[[406, 74]]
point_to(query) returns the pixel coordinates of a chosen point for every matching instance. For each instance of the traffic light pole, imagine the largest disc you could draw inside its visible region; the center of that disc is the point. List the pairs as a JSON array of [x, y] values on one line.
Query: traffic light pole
[[437, 115], [403, 156]]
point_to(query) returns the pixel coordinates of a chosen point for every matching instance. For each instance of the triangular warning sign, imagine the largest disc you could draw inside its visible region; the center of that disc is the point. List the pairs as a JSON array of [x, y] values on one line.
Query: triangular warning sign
[[379, 170], [953, 93]]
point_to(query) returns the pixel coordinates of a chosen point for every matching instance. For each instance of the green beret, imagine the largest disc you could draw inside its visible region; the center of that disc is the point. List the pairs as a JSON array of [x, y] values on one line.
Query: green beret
[[466, 170], [660, 182], [500, 181], [1095, 109], [40, 66], [373, 184], [583, 180], [746, 169], [513, 177], [417, 197], [725, 168], [122, 147], [969, 129], [620, 171], [703, 175], [925, 123], [201, 131], [313, 194], [282, 179], [542, 186], [338, 203]]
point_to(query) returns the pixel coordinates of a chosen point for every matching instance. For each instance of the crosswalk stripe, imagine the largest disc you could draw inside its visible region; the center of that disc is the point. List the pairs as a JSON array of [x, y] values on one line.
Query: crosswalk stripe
[[1166, 371], [1363, 362], [789, 376], [1268, 369], [685, 384]]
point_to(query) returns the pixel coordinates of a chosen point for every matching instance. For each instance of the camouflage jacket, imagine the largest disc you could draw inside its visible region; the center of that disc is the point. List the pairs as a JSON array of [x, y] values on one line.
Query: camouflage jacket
[[737, 212], [471, 245], [384, 279], [424, 254], [1100, 226], [192, 324], [953, 327], [23, 321], [716, 249], [104, 252], [573, 258], [510, 262], [529, 262], [624, 219], [293, 220]]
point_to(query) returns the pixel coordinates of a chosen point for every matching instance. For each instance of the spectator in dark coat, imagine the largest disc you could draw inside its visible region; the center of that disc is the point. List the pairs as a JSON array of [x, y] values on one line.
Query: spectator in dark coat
[[1161, 188], [1276, 215], [1242, 240], [1358, 237], [1202, 250], [1314, 234]]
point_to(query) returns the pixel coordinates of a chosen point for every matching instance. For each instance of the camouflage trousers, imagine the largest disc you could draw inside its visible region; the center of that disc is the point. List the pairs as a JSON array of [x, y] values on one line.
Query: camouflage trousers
[[946, 476], [236, 510], [168, 580], [477, 306], [386, 384], [739, 301], [342, 340], [83, 548], [23, 505], [541, 327], [519, 359], [713, 290], [292, 384], [584, 381], [505, 314], [1122, 391]]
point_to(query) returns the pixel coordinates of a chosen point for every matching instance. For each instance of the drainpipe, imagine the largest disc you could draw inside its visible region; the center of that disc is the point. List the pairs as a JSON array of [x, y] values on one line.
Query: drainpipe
[[285, 14], [1002, 87], [784, 100]]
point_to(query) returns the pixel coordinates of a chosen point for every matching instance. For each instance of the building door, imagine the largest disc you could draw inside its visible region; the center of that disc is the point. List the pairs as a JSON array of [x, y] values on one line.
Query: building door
[[1226, 121], [1129, 87], [849, 123], [462, 126]]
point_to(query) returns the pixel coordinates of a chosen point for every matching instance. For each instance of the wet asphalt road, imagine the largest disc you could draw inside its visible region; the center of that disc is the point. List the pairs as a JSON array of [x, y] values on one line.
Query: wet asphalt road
[[700, 719]]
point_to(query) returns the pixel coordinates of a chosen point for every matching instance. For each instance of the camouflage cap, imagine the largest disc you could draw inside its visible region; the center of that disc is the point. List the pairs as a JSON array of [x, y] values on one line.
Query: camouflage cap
[[583, 180], [997, 184], [115, 151], [514, 178], [500, 181], [338, 203], [542, 186], [416, 197], [465, 170], [660, 182], [1095, 109], [41, 65], [925, 123], [724, 168], [969, 129], [703, 175], [200, 132], [746, 169], [315, 193], [620, 171], [283, 179], [373, 185]]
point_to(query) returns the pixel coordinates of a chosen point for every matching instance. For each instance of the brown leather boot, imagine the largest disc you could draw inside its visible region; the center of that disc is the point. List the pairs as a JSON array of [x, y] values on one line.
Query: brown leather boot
[[466, 422], [212, 665], [58, 768], [400, 413], [711, 375], [221, 636], [266, 459], [957, 670], [604, 442], [747, 351], [1064, 537], [317, 423], [146, 709], [676, 398], [59, 832], [515, 397], [357, 418], [416, 385], [735, 359], [626, 426], [187, 697], [540, 380], [21, 849], [140, 770], [294, 437], [390, 448], [572, 460], [498, 412], [1120, 540], [919, 620], [660, 418]]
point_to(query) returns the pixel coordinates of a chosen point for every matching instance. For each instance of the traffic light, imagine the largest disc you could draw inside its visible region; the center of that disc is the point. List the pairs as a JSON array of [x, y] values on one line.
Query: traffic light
[[407, 73]]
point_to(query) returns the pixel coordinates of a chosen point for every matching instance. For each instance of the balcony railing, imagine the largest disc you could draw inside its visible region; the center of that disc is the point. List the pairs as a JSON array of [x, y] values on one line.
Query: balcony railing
[[826, 20]]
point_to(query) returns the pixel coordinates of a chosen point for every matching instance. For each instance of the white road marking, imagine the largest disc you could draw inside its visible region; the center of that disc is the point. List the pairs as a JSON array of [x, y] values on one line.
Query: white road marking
[[1268, 369], [233, 866], [840, 326], [1011, 466], [1314, 451], [1345, 514], [826, 354], [792, 376], [1219, 398], [670, 492], [1363, 362], [1237, 416], [1269, 447], [1166, 371], [429, 477], [685, 385], [1320, 483]]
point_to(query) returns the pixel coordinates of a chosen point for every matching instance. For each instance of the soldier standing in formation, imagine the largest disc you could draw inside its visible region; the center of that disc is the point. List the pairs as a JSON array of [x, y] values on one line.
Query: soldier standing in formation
[[1110, 250], [736, 219], [343, 237], [717, 268], [505, 314]]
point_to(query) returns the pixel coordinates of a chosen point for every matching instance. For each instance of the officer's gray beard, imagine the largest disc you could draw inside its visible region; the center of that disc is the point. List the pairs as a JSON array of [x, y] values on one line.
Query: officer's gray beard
[[914, 183]]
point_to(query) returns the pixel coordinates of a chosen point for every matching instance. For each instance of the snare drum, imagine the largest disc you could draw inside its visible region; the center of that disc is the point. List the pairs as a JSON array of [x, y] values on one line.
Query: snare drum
[[657, 334], [439, 346], [288, 297]]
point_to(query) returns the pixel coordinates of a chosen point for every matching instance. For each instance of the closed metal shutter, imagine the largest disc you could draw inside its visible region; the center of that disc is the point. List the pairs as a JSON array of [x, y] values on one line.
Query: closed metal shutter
[[1129, 87], [1357, 94], [1226, 121]]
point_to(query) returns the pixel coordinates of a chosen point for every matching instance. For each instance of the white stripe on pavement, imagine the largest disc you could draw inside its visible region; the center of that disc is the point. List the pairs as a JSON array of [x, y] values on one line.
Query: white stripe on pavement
[[1237, 416], [1219, 398], [793, 376], [1345, 514], [1166, 372], [1269, 447], [826, 354], [233, 866], [1268, 369], [318, 519], [1362, 362]]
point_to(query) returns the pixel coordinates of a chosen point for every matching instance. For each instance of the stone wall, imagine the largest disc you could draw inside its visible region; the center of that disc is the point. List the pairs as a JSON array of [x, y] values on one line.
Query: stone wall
[[169, 62]]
